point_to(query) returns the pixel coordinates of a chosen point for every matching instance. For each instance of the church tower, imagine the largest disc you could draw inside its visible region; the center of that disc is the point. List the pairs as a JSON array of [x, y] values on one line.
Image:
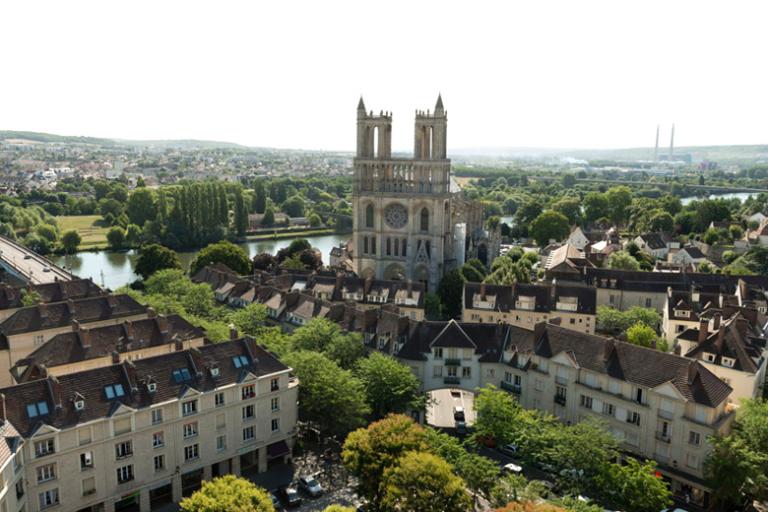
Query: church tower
[[402, 206]]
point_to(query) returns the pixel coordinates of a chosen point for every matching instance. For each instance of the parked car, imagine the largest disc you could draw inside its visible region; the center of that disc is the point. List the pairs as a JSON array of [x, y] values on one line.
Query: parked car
[[509, 449], [512, 468], [275, 500], [291, 497], [458, 413], [310, 485]]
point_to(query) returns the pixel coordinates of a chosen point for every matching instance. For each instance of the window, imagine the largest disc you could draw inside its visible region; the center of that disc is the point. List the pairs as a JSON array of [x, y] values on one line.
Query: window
[[365, 245], [249, 412], [84, 436], [219, 399], [125, 474], [518, 380], [181, 375], [437, 352], [373, 245], [157, 416], [114, 391], [221, 443], [188, 408], [437, 371], [221, 421], [122, 425], [191, 452], [538, 385], [86, 460], [38, 340], [44, 447], [248, 433], [37, 409], [159, 462], [49, 498], [648, 302], [404, 246], [240, 361], [248, 391], [45, 473], [639, 395], [274, 384], [586, 401], [692, 460], [608, 409], [694, 438], [452, 372], [424, 220], [123, 450], [275, 424], [275, 404], [466, 372], [189, 429], [89, 486], [158, 440], [634, 418], [389, 246], [369, 216]]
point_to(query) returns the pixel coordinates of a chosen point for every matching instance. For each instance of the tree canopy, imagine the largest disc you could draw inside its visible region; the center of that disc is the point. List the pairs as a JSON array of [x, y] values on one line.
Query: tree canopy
[[227, 494]]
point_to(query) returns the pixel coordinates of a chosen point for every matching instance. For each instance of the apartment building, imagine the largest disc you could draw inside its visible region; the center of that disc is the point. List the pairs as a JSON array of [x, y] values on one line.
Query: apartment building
[[12, 298], [527, 304], [658, 405], [84, 348], [12, 485], [139, 434]]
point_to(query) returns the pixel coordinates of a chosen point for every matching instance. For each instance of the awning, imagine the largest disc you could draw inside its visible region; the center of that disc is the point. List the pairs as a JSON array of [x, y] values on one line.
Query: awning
[[277, 449]]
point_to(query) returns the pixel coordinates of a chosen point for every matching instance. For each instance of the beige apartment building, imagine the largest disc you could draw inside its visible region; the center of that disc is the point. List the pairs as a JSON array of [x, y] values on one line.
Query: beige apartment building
[[144, 433], [12, 489], [527, 304]]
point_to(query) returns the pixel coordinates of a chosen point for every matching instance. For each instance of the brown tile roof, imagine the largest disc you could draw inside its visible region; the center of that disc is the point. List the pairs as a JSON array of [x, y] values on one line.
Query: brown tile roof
[[11, 296]]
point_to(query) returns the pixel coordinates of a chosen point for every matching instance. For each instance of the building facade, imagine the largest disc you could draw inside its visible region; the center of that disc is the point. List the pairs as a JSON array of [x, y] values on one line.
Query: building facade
[[408, 222]]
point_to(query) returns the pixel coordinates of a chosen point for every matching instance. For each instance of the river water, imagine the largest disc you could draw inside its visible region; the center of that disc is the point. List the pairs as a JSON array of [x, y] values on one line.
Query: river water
[[741, 196], [115, 269]]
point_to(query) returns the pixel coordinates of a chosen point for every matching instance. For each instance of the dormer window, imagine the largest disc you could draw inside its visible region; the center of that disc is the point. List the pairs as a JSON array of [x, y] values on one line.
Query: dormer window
[[181, 375], [114, 391], [152, 387], [214, 371], [79, 405], [709, 357], [37, 409], [729, 362], [240, 361], [683, 313]]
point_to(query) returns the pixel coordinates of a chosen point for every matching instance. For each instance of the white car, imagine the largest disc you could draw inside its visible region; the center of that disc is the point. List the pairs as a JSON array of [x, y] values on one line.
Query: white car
[[512, 468]]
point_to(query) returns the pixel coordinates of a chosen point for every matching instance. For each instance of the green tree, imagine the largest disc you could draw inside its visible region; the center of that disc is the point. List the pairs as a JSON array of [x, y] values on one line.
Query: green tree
[[224, 252], [327, 387], [641, 334], [47, 231], [133, 235], [622, 260], [228, 493], [315, 220], [390, 386], [635, 486], [661, 221], [249, 320], [241, 213], [570, 207], [735, 231], [154, 257], [711, 236], [550, 225], [619, 199], [70, 240], [596, 206], [432, 307], [294, 206], [496, 413], [568, 181], [116, 238], [449, 290], [338, 508], [368, 452], [422, 482], [141, 206], [733, 469], [610, 319], [322, 335], [259, 197], [269, 218]]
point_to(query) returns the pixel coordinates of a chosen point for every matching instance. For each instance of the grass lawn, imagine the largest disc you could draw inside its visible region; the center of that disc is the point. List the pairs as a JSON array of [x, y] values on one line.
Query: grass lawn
[[93, 234]]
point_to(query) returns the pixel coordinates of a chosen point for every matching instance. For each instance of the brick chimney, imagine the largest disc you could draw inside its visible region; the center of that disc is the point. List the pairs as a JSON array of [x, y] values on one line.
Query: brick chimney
[[233, 335], [112, 301], [162, 324], [703, 330], [538, 331], [43, 308], [84, 335], [482, 291], [716, 318], [151, 312], [129, 331], [115, 357], [178, 345]]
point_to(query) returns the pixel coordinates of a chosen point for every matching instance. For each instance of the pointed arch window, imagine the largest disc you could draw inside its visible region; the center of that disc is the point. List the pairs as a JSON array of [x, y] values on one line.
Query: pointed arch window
[[389, 246], [405, 246], [424, 224], [369, 216]]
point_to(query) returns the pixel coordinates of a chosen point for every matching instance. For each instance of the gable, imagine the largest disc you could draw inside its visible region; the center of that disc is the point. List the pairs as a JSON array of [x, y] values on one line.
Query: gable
[[669, 390], [120, 409], [43, 429], [565, 358]]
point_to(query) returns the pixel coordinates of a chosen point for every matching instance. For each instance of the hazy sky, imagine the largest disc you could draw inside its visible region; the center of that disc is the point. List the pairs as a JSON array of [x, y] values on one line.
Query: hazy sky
[[289, 73]]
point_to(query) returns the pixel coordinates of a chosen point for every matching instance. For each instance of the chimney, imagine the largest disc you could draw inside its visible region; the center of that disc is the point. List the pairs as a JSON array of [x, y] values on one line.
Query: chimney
[[656, 150], [538, 331], [112, 301], [409, 287], [129, 331], [75, 326], [232, 332], [716, 321], [43, 308], [672, 143], [151, 312], [482, 291], [162, 324], [703, 330], [115, 357], [2, 406], [178, 344], [84, 335]]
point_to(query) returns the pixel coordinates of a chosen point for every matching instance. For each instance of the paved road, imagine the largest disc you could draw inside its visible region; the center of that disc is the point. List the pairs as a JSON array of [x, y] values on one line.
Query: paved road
[[30, 265], [441, 406]]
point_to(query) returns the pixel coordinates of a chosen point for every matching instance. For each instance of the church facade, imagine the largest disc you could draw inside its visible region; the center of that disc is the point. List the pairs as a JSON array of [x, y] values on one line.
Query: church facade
[[410, 221]]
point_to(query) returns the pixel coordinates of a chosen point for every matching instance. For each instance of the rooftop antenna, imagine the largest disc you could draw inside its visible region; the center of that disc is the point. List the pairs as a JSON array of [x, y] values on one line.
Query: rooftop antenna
[[672, 143], [656, 150]]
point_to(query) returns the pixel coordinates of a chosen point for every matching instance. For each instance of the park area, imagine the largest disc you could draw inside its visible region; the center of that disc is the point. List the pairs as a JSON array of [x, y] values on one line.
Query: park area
[[89, 227]]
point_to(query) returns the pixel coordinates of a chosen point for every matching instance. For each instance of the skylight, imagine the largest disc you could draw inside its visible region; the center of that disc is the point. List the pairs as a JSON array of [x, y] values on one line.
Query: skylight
[[240, 361], [181, 375], [38, 409], [114, 391]]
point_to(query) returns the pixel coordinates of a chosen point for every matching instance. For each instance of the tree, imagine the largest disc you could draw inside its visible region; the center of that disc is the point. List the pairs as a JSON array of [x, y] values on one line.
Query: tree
[[735, 231], [390, 386], [595, 206], [636, 486], [432, 307], [449, 290], [496, 413], [338, 508], [570, 207], [711, 236], [269, 218], [47, 231], [733, 468], [241, 213], [613, 320], [327, 387], [224, 252], [622, 260], [530, 506], [618, 199], [250, 319], [116, 238], [368, 452], [550, 225], [141, 206], [294, 206], [422, 482], [228, 493], [641, 334], [133, 235], [322, 335], [315, 220], [154, 257], [568, 180], [661, 221], [259, 197], [70, 240], [264, 261]]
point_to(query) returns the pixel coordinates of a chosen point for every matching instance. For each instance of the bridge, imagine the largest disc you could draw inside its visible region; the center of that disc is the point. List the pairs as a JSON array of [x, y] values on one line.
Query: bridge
[[27, 265]]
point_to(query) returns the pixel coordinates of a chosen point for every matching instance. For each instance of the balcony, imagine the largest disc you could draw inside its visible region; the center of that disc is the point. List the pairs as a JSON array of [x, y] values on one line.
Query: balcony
[[666, 415], [508, 386], [560, 399], [664, 437], [451, 380], [452, 361]]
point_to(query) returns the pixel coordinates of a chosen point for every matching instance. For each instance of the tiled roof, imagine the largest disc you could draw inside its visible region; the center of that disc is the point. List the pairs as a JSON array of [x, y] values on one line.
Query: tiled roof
[[487, 339], [11, 297], [505, 297], [659, 281], [736, 339], [58, 392], [654, 241]]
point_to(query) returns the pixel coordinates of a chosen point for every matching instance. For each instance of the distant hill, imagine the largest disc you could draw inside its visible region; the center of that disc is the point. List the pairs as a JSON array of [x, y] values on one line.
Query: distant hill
[[51, 138], [69, 139]]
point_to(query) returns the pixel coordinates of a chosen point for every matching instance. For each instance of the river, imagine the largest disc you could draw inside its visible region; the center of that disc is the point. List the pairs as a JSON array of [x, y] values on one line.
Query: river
[[741, 196], [115, 269]]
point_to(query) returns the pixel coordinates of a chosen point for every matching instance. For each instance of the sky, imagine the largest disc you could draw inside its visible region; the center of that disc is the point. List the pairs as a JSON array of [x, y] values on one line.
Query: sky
[[565, 74]]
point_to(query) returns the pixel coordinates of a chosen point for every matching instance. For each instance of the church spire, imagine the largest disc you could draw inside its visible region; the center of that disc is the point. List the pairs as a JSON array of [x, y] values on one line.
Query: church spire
[[439, 104], [361, 105]]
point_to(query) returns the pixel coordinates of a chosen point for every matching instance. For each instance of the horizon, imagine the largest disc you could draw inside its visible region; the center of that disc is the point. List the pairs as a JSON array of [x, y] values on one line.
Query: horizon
[[597, 76]]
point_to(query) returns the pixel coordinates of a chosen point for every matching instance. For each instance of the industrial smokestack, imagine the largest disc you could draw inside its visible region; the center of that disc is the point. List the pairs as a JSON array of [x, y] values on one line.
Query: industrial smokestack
[[672, 143], [656, 149]]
